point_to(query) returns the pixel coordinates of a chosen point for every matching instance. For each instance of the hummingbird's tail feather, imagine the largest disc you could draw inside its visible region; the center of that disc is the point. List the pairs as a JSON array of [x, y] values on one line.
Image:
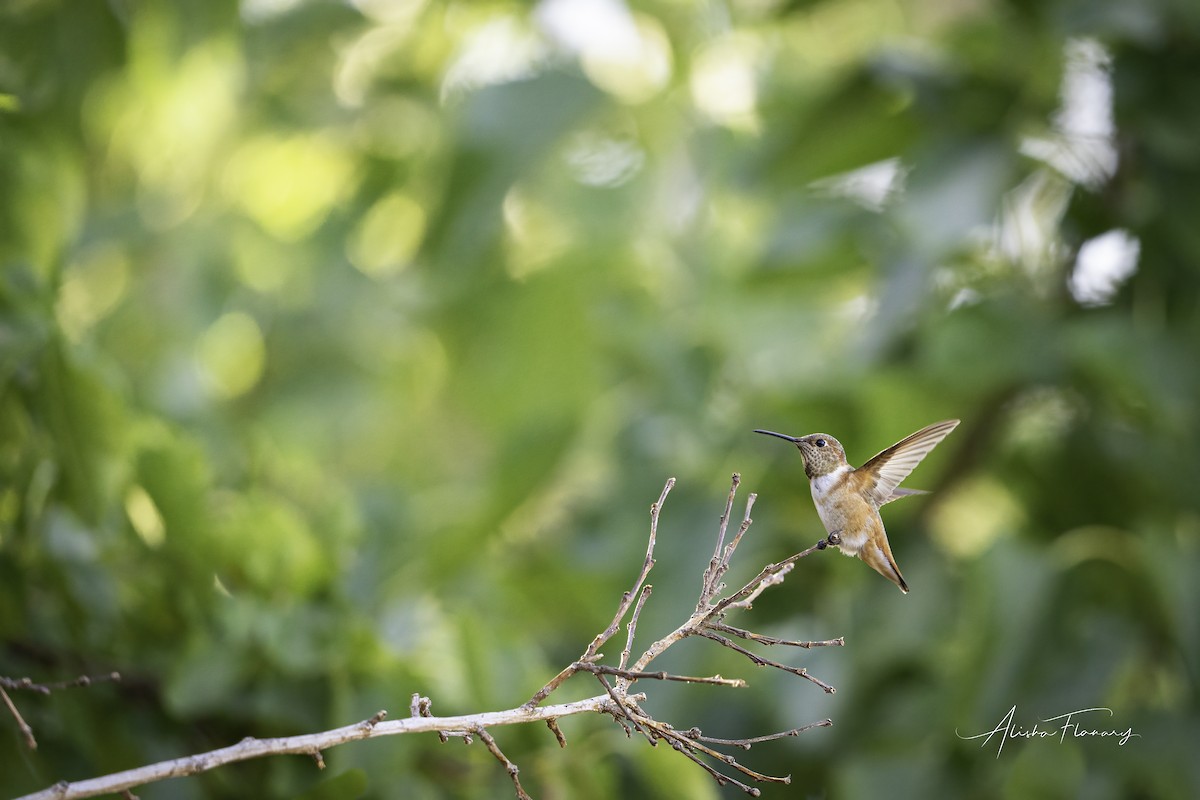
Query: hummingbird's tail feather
[[880, 559], [898, 493]]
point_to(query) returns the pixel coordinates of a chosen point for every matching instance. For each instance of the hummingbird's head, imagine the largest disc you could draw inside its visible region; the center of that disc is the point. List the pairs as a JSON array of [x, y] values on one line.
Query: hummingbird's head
[[822, 453]]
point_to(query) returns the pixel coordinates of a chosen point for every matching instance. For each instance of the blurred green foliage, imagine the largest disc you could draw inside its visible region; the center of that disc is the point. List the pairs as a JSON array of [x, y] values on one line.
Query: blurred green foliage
[[343, 347]]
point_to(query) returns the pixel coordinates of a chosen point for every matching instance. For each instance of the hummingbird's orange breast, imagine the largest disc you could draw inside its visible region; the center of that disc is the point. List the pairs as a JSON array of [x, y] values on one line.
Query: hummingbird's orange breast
[[843, 508]]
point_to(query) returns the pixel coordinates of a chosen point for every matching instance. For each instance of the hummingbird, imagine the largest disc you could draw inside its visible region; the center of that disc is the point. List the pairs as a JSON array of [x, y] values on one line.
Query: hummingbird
[[848, 499]]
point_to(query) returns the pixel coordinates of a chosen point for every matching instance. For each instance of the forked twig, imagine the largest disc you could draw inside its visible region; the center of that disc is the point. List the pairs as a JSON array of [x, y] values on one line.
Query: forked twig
[[708, 622], [759, 661], [712, 575], [26, 684]]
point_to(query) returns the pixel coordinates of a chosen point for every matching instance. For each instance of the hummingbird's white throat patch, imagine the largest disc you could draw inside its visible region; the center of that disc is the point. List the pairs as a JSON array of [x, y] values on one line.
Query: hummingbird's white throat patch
[[823, 483]]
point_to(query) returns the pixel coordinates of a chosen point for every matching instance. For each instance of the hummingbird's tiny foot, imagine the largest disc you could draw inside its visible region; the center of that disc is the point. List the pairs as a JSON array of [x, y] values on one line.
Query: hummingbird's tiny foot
[[834, 538]]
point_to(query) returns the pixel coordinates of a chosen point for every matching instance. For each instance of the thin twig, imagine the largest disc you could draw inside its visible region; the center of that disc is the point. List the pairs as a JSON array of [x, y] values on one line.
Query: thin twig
[[711, 577], [420, 706], [22, 725], [742, 599], [718, 776], [721, 565], [737, 539], [759, 661], [771, 640], [689, 748], [632, 627], [26, 684], [745, 744], [631, 675], [769, 576], [552, 724], [627, 599], [724, 758], [511, 768], [619, 700]]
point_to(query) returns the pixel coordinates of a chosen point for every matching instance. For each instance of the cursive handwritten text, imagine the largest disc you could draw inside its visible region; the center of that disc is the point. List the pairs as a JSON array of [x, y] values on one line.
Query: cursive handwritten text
[[1071, 725]]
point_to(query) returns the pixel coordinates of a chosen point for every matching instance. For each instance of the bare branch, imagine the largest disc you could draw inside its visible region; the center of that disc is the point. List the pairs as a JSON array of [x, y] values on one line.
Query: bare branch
[[706, 621], [308, 744]]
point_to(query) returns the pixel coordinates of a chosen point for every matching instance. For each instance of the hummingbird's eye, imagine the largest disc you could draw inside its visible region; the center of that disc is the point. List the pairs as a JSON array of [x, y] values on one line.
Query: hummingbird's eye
[[820, 442]]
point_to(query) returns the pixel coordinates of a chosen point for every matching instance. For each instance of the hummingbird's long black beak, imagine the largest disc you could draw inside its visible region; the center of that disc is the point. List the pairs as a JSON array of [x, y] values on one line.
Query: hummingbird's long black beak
[[792, 439]]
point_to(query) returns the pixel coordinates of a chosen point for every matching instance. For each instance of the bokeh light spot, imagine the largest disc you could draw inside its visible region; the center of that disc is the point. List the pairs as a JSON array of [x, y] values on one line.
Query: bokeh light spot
[[724, 83], [626, 54], [91, 288], [232, 355], [973, 516], [388, 236], [144, 516], [288, 184]]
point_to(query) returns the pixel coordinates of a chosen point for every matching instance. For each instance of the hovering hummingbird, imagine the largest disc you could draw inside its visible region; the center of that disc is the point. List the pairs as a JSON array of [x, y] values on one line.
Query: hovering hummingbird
[[848, 499]]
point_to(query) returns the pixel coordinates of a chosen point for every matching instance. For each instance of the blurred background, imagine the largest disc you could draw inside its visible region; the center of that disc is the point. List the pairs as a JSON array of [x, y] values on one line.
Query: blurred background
[[344, 346]]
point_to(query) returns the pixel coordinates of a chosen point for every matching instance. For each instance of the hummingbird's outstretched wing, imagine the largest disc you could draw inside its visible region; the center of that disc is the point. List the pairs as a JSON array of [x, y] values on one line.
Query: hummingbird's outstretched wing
[[894, 464]]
